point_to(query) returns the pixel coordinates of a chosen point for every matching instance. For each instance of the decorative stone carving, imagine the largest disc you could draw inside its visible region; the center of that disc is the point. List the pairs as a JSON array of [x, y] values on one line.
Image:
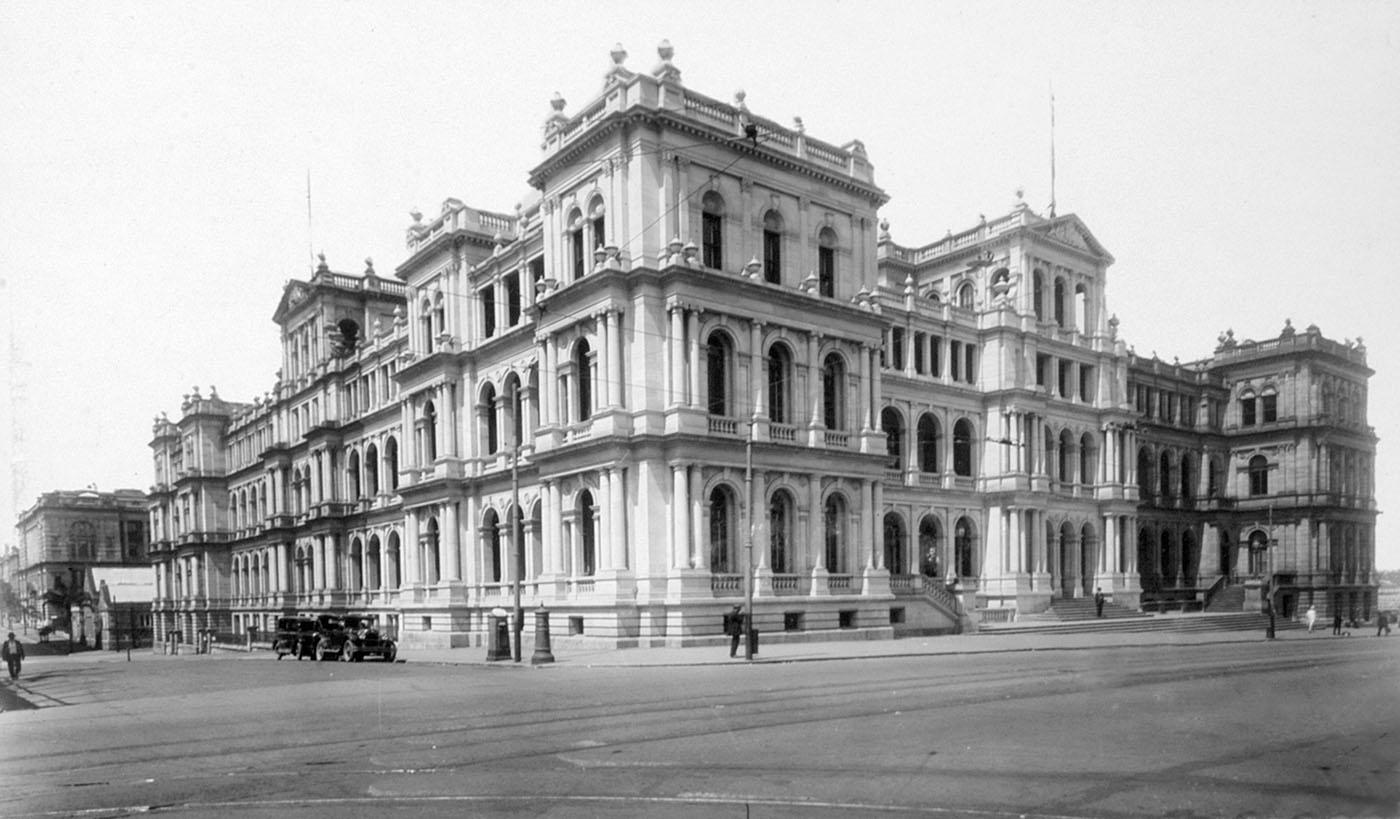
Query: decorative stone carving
[[665, 70]]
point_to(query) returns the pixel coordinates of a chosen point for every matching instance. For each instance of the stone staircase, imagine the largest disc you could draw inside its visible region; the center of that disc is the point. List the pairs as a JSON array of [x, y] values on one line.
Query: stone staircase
[[1230, 598], [1081, 609]]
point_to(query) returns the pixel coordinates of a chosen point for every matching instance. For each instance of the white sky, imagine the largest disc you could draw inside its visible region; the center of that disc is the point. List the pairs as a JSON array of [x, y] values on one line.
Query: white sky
[[1238, 159]]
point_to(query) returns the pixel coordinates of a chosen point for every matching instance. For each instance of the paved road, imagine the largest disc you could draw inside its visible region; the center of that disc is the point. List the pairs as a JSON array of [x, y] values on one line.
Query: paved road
[[1283, 728]]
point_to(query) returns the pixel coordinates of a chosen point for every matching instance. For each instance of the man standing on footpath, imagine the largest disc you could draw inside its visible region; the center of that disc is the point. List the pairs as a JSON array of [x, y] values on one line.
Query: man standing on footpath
[[736, 628], [12, 652], [1098, 602]]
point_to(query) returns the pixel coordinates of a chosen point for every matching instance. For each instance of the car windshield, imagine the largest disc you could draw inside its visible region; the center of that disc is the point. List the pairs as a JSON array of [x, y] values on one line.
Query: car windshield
[[358, 622]]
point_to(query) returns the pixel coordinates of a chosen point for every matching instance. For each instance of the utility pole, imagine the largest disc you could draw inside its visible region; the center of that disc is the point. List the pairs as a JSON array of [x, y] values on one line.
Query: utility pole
[[518, 540]]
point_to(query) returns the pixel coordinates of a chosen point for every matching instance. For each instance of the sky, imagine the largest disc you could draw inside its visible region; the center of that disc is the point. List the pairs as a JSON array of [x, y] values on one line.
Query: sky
[[1239, 159]]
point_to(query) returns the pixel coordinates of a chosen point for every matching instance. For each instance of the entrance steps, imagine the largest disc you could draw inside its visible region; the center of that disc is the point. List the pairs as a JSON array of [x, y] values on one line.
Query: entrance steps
[[1080, 609], [1230, 598], [1239, 621]]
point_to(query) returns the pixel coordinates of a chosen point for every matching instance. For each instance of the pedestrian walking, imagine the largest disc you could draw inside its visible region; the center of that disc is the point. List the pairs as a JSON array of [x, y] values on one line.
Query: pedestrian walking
[[1382, 623], [1337, 623], [12, 652], [1312, 618], [736, 629], [1099, 600]]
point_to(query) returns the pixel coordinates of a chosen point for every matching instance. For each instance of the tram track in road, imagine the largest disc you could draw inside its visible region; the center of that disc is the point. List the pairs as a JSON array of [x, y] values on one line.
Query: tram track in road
[[471, 741]]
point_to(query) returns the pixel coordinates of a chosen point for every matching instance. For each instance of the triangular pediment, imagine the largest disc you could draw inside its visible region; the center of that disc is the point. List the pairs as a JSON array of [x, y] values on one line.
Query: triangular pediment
[[293, 295], [1070, 231]]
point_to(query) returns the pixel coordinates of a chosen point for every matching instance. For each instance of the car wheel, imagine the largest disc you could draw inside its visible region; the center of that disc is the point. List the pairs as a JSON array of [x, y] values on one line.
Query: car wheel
[[321, 652], [347, 653], [390, 653]]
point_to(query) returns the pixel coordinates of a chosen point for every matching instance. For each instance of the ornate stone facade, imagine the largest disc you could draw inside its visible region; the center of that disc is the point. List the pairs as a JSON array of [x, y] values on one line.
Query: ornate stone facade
[[694, 349]]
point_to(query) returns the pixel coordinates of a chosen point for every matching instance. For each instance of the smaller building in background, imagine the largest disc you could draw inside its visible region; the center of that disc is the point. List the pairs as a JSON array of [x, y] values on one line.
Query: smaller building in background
[[67, 535]]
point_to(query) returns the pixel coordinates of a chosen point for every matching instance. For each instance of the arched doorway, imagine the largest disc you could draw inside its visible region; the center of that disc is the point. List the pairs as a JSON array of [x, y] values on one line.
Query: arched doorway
[[1088, 557], [1067, 561], [895, 552]]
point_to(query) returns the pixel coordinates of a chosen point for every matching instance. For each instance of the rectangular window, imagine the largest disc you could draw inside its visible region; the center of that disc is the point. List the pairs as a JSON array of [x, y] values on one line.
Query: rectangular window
[[487, 296], [1063, 382], [711, 240], [1086, 383], [955, 360], [576, 252], [826, 271], [919, 342], [1270, 403], [1042, 369], [513, 300], [897, 351], [970, 362], [772, 257], [536, 272], [935, 356], [1247, 411]]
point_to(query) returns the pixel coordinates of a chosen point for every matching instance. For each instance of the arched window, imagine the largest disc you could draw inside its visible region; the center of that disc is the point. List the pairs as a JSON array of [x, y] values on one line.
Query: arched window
[[589, 538], [1088, 460], [967, 296], [722, 525], [1164, 474], [772, 247], [1144, 472], [577, 251], [965, 547], [779, 384], [834, 526], [425, 324], [431, 568], [372, 470], [1258, 475], [392, 563], [429, 433], [712, 230], [515, 406], [928, 443], [584, 375], [780, 539], [486, 411], [1060, 302], [962, 448], [717, 353], [834, 392], [1168, 564], [491, 541], [1038, 295], [373, 578], [1081, 308], [826, 263], [896, 555], [439, 315], [892, 424], [391, 462], [1188, 476], [930, 547], [1147, 558], [1065, 458], [356, 580], [1190, 560], [1212, 477], [596, 224], [352, 476]]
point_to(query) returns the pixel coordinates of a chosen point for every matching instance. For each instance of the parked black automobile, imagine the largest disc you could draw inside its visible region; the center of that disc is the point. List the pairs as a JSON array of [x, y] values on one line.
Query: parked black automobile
[[295, 636], [352, 637]]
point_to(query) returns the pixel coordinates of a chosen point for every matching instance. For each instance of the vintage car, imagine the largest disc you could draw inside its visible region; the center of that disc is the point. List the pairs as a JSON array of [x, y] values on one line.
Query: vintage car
[[295, 636], [352, 637]]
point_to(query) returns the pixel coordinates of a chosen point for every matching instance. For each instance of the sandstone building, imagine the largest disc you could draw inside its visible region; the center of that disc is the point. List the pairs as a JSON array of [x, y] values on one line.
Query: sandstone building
[[694, 348]]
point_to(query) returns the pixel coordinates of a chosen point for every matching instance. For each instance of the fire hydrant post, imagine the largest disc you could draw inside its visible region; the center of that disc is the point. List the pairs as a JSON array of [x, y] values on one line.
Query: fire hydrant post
[[542, 650]]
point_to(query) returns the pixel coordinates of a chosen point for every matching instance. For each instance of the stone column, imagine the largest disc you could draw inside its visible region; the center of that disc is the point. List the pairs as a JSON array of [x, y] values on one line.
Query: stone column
[[756, 385], [281, 551], [877, 527], [693, 340], [451, 541], [868, 526], [604, 325], [675, 378], [618, 493], [410, 573], [700, 548], [616, 390], [680, 518]]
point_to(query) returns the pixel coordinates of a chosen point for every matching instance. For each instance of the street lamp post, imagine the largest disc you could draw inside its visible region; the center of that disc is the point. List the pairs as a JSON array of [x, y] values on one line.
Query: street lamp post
[[747, 625], [518, 540]]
